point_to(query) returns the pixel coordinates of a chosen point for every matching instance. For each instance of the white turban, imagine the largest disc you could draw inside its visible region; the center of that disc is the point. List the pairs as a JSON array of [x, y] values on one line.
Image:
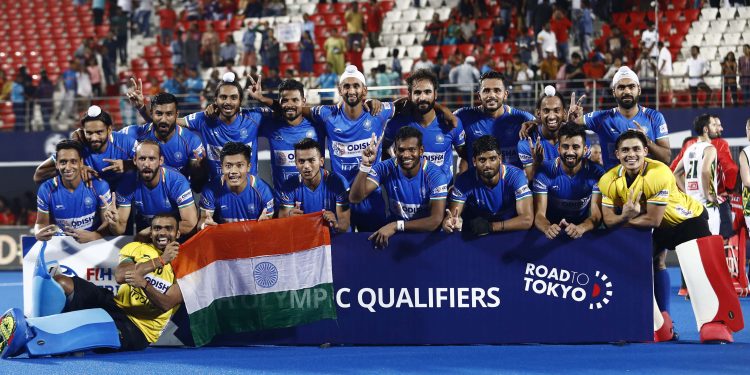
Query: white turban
[[352, 72], [625, 72]]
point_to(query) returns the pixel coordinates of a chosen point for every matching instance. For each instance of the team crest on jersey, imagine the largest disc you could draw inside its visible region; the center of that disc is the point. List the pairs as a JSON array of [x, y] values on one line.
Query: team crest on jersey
[[178, 155], [251, 207], [88, 201], [310, 134], [278, 137], [439, 138], [478, 133], [367, 125], [243, 133]]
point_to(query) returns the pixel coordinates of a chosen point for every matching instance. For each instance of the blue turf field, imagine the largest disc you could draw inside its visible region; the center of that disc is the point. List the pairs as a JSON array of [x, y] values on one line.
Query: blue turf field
[[684, 357]]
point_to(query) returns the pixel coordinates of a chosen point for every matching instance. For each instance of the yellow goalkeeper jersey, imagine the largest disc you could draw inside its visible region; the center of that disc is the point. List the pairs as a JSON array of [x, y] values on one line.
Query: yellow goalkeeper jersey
[[658, 185]]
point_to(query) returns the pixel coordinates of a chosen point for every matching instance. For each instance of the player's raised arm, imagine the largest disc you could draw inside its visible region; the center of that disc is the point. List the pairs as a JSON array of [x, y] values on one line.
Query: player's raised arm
[[362, 186]]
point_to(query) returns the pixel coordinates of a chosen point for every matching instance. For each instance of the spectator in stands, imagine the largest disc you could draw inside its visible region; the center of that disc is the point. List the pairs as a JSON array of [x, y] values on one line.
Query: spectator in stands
[[174, 85], [18, 98], [560, 25], [444, 73], [465, 76], [595, 70], [209, 47], [193, 85], [468, 30], [143, 17], [466, 8], [387, 77], [549, 67], [744, 71], [513, 66], [108, 48], [155, 86], [542, 15], [69, 83], [6, 86], [228, 8], [327, 80], [646, 68], [335, 47], [249, 58], [228, 51], [615, 42], [308, 26], [729, 71], [95, 75], [211, 85], [97, 10], [452, 33], [523, 77], [271, 51], [586, 27], [176, 47], [253, 9], [119, 23], [609, 98], [167, 23], [499, 30], [489, 65], [192, 10], [272, 82], [84, 91], [372, 81], [525, 44], [274, 8], [7, 217], [396, 63], [211, 10], [649, 37], [355, 25], [546, 40], [434, 31], [374, 23], [664, 65], [574, 72], [354, 55], [697, 68], [307, 57], [424, 62]]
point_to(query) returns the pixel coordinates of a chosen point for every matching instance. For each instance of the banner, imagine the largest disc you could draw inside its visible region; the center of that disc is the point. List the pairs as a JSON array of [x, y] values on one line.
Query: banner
[[288, 32], [10, 247], [437, 288]]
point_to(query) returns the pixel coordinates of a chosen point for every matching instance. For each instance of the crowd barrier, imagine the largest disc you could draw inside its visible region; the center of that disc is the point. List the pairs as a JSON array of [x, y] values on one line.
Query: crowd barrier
[[437, 288]]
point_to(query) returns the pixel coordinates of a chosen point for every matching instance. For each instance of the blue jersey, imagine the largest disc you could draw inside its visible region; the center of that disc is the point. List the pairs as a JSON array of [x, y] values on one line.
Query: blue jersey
[[78, 209], [550, 150], [216, 133], [178, 150], [332, 191], [609, 124], [568, 197], [504, 128], [409, 197], [170, 195], [119, 147], [281, 139], [496, 203], [437, 139], [230, 207], [348, 138]]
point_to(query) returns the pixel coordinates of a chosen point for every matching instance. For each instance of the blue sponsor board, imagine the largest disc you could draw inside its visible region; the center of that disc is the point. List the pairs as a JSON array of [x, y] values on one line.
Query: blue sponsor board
[[507, 288]]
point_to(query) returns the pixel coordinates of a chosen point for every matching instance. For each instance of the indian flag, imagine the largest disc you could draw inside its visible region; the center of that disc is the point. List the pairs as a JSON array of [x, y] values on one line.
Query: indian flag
[[248, 276]]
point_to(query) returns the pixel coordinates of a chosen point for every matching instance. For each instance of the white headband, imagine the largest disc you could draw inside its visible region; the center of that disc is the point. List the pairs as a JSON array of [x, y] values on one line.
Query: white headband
[[625, 72], [352, 72]]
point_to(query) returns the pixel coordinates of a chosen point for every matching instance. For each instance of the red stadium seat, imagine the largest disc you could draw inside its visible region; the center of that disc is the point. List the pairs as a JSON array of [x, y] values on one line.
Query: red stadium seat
[[466, 49], [292, 46], [333, 19], [484, 24], [682, 28], [324, 8], [431, 51], [448, 50], [319, 68], [341, 7], [672, 15], [677, 4], [619, 18], [691, 14], [386, 6]]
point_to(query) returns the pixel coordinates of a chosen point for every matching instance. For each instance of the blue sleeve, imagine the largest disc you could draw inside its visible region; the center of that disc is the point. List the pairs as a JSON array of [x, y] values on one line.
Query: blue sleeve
[[196, 120], [125, 191], [130, 144], [257, 114], [594, 120], [515, 179], [458, 134], [660, 129], [208, 198], [438, 183], [195, 144], [541, 182], [288, 193], [180, 190], [378, 171], [460, 189], [132, 130], [387, 111], [266, 195], [320, 113], [43, 198], [101, 189], [524, 152], [341, 190], [392, 127], [526, 116]]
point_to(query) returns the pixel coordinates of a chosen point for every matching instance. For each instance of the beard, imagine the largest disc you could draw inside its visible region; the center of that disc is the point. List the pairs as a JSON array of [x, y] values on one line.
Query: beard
[[424, 107], [626, 102]]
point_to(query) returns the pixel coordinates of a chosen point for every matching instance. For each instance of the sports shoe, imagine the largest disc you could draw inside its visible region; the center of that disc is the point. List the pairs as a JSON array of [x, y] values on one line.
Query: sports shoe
[[666, 332], [716, 333], [13, 333]]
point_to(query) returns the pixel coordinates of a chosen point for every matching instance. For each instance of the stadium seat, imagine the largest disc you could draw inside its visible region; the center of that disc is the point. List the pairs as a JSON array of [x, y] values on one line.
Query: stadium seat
[[340, 7], [677, 4], [387, 27], [444, 13], [713, 39], [717, 26], [700, 26], [466, 49], [425, 14], [737, 26], [743, 12], [414, 51], [746, 36], [727, 13], [682, 27], [417, 26], [392, 16], [389, 39], [407, 40], [368, 65], [432, 52], [724, 50], [409, 15], [448, 50], [406, 64], [709, 13], [732, 39], [484, 23], [403, 4], [380, 52], [691, 15], [400, 27], [324, 8]]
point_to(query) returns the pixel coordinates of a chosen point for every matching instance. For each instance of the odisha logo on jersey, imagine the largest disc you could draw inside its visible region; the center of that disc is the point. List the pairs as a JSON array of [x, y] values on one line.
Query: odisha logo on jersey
[[265, 274], [568, 285]]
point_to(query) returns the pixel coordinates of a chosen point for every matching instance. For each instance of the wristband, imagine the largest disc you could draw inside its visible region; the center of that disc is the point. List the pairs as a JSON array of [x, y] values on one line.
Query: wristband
[[400, 226], [162, 261], [365, 168]]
